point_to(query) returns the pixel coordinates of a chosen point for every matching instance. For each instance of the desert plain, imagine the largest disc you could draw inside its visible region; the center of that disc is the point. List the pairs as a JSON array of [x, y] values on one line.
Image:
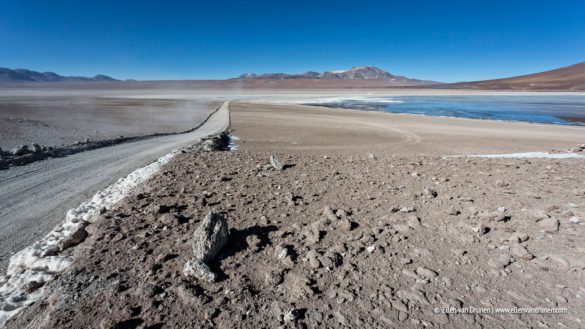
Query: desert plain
[[361, 219]]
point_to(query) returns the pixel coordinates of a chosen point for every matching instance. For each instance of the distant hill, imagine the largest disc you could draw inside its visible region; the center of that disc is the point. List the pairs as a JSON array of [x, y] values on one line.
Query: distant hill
[[566, 78], [23, 75], [355, 73]]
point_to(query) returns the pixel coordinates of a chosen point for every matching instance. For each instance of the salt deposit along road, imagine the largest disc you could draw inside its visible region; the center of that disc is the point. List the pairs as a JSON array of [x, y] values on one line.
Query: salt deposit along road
[[36, 197]]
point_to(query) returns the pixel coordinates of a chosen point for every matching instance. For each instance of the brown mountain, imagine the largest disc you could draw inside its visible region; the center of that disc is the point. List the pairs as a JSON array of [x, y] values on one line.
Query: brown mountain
[[23, 75], [356, 73], [566, 78]]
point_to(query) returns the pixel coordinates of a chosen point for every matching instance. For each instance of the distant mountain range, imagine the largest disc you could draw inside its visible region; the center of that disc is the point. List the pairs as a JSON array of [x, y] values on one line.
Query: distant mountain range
[[23, 75], [355, 73], [570, 78]]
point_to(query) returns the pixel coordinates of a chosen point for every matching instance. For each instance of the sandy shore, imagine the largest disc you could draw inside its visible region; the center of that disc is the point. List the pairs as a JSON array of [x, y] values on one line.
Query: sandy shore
[[298, 128], [341, 238]]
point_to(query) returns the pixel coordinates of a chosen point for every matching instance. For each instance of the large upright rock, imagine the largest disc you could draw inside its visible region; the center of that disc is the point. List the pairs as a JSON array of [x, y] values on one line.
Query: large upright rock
[[208, 239]]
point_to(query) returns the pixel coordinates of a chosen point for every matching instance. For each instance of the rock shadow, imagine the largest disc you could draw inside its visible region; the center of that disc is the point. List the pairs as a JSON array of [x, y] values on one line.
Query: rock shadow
[[237, 243]]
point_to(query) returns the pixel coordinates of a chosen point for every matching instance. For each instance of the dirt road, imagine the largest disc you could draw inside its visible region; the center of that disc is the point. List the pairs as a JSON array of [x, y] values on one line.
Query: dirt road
[[34, 198]]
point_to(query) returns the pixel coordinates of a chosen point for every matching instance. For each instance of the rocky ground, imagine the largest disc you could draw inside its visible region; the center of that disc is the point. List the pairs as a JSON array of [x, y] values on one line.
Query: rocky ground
[[360, 241]]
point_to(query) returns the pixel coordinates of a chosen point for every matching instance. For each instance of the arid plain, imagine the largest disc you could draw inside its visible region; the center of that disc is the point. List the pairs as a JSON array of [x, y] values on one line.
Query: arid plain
[[366, 224]]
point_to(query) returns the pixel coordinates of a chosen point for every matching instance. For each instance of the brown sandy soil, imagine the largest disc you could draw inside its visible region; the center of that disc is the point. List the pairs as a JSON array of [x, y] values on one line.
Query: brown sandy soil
[[56, 120], [316, 129], [339, 238]]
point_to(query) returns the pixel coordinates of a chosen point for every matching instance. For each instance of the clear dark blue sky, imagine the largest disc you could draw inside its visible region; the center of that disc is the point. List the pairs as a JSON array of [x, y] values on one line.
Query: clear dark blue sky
[[440, 40]]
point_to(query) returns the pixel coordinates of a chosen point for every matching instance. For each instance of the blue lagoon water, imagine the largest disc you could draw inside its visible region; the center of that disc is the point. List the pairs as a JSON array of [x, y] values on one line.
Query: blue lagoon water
[[553, 109]]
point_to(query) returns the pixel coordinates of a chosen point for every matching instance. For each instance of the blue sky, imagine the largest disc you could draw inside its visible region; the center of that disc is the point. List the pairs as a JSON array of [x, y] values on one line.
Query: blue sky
[[439, 40]]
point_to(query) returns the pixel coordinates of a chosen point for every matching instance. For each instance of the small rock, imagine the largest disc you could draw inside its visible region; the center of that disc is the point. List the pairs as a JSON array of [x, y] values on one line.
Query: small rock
[[317, 317], [413, 221], [281, 252], [504, 259], [33, 285], [459, 252], [575, 220], [409, 273], [211, 313], [430, 193], [500, 262], [312, 234], [298, 286], [414, 295], [152, 290], [481, 229], [331, 259], [559, 262], [399, 305], [168, 219], [273, 277], [518, 237], [107, 323], [550, 225], [163, 257], [275, 163], [340, 213], [447, 281], [253, 242], [497, 216], [212, 144], [538, 214], [405, 260], [402, 316], [425, 272], [329, 214], [312, 259], [345, 225], [20, 150], [454, 302], [519, 251], [452, 211], [200, 270], [407, 209], [290, 315], [36, 148], [341, 318], [76, 237]]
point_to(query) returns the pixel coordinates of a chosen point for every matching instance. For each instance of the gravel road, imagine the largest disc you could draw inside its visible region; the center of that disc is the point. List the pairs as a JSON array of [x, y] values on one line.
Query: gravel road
[[36, 197]]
